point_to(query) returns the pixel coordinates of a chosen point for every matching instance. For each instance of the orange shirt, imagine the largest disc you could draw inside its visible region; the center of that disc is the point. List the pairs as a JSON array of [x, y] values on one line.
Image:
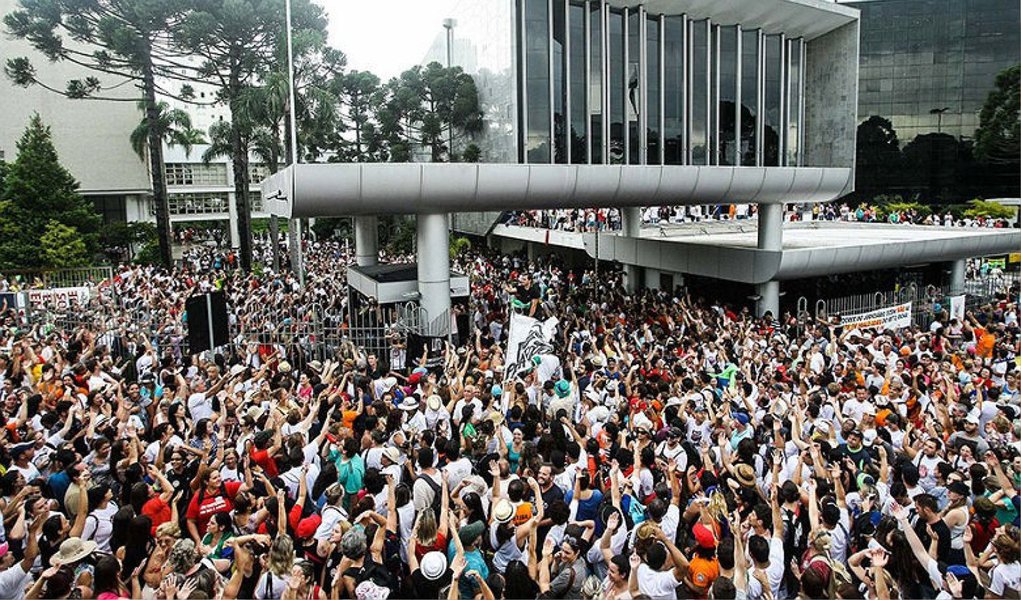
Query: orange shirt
[[702, 573]]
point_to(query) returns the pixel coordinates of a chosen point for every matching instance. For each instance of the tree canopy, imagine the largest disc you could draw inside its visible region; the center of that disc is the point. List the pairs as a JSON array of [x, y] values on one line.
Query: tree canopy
[[40, 197]]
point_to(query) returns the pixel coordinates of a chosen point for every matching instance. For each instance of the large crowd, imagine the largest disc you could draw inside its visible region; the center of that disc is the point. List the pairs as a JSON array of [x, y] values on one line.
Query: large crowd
[[609, 219], [664, 447]]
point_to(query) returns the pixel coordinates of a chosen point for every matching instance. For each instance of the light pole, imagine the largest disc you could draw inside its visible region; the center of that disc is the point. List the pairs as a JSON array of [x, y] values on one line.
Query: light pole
[[449, 25], [939, 117], [295, 228]]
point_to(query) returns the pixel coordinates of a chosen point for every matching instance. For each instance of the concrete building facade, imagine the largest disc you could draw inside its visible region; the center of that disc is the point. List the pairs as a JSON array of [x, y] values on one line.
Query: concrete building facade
[[91, 136]]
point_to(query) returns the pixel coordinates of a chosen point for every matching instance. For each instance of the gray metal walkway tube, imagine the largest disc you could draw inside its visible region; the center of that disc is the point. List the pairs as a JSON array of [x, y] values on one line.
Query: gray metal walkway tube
[[958, 273], [770, 231], [366, 241], [434, 271]]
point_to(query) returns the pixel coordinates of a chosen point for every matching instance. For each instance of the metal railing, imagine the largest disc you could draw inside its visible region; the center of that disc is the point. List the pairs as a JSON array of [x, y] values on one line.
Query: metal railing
[[924, 299], [60, 278]]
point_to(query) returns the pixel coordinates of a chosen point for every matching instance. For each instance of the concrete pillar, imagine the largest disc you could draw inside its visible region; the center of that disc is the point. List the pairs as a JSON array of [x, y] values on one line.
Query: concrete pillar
[[434, 271], [769, 299], [232, 223], [770, 230], [631, 221], [958, 273], [530, 251], [770, 227], [366, 241], [294, 245], [274, 236], [652, 278]]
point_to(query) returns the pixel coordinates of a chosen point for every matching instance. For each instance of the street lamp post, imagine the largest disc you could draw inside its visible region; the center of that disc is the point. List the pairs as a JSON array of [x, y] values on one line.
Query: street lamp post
[[939, 117], [449, 25], [294, 232]]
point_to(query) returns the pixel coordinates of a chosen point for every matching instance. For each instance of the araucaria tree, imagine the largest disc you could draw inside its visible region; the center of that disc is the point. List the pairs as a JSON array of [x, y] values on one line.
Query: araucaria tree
[[40, 202], [122, 41], [237, 40]]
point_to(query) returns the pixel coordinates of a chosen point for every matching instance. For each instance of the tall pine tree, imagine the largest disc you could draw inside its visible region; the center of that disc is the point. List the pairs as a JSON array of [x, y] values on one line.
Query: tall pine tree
[[38, 190]]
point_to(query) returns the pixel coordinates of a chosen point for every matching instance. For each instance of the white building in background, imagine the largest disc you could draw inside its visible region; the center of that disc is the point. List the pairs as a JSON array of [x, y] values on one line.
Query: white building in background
[[91, 136]]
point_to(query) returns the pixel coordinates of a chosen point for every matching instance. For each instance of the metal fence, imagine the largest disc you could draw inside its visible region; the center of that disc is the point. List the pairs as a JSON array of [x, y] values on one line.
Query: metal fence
[[924, 299], [61, 278]]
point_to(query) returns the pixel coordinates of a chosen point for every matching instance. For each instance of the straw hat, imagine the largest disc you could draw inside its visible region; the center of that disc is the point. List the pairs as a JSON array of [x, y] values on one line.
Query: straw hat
[[72, 550]]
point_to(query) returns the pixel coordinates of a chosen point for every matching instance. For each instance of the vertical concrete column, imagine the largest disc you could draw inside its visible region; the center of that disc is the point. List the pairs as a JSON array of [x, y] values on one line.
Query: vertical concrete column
[[651, 278], [958, 273], [434, 271], [631, 225], [770, 227], [274, 236], [769, 299], [232, 224], [770, 230], [366, 241], [294, 245]]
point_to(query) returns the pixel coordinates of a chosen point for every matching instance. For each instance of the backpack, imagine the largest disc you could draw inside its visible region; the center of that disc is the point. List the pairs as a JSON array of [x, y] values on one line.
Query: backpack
[[437, 503]]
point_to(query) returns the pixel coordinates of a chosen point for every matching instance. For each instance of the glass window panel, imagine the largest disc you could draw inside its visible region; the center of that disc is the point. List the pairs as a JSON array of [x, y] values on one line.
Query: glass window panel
[[595, 95], [576, 22], [673, 91], [793, 121], [773, 101], [537, 80], [749, 95], [653, 88], [699, 92], [616, 86], [634, 93], [560, 125], [727, 103]]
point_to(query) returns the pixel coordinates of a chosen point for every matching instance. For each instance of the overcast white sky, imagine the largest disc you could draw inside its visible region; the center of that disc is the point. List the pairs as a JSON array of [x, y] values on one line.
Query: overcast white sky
[[385, 36]]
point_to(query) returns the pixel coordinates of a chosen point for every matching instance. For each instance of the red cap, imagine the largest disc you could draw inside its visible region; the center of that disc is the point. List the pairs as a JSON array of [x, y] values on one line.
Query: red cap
[[703, 536], [414, 379], [307, 527]]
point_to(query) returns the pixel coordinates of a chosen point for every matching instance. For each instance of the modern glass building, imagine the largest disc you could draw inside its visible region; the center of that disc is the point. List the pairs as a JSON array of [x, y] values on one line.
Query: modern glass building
[[664, 82], [928, 65], [601, 83]]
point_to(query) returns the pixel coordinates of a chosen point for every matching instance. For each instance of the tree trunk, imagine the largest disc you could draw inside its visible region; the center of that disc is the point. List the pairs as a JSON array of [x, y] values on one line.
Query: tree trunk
[[240, 162], [161, 204]]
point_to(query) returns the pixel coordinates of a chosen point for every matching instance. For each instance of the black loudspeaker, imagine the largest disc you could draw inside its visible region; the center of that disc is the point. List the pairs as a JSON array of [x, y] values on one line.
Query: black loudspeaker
[[207, 318]]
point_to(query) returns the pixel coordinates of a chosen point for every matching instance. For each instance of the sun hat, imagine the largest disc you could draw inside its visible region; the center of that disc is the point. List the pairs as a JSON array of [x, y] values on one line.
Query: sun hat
[[470, 532], [433, 565], [746, 475], [389, 382], [409, 404], [496, 390], [434, 402], [392, 454], [284, 367], [503, 512], [598, 362], [237, 370], [496, 417], [370, 590], [316, 366], [562, 388], [72, 550]]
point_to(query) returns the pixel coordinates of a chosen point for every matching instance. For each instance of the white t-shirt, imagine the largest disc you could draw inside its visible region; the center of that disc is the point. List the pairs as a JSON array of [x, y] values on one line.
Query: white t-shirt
[[99, 526], [1005, 577], [839, 537], [13, 582], [199, 406], [656, 584]]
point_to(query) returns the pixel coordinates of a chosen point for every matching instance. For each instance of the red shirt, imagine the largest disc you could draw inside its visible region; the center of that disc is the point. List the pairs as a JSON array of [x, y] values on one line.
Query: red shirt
[[264, 460], [212, 504], [157, 510]]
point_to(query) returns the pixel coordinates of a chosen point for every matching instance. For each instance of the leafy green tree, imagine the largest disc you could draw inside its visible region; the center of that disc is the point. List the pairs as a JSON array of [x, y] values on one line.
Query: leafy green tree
[[430, 107], [360, 94], [119, 239], [39, 191], [127, 41], [62, 247], [238, 40], [998, 137], [984, 208], [174, 128]]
